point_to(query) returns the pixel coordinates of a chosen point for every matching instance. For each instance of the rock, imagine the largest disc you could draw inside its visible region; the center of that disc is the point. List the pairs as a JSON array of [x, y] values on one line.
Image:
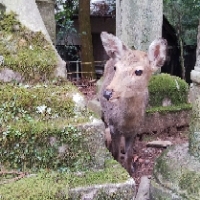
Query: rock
[[137, 30], [77, 149], [143, 191], [158, 121], [124, 190], [159, 144], [8, 75], [166, 102], [79, 100], [94, 134], [176, 175], [95, 106]]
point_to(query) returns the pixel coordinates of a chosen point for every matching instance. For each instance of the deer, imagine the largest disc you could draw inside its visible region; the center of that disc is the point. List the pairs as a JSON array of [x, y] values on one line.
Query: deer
[[124, 95]]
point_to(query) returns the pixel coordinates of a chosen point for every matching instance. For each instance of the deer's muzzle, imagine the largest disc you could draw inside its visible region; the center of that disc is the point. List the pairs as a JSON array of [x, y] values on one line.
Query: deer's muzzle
[[107, 94]]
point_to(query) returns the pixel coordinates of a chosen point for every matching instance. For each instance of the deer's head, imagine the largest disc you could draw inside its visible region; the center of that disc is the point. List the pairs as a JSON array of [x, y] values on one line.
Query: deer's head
[[132, 69]]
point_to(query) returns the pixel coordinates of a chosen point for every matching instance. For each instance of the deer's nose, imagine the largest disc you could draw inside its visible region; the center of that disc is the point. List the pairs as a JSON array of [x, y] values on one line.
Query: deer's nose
[[107, 94]]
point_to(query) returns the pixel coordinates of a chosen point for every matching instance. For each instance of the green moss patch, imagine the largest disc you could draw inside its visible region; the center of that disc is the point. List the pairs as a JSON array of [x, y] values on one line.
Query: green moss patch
[[176, 174], [43, 186], [53, 185], [25, 51], [166, 109], [39, 102], [161, 166], [113, 173], [190, 181], [164, 86]]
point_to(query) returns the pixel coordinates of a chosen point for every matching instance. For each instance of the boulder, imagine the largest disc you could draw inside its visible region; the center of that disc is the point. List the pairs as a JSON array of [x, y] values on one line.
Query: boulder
[[176, 175]]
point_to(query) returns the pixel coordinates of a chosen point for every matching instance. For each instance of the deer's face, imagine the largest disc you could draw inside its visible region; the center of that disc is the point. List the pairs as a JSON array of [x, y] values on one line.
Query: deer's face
[[132, 74], [132, 69]]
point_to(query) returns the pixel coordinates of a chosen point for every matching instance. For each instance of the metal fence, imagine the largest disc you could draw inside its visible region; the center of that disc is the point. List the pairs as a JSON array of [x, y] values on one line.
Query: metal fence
[[75, 69]]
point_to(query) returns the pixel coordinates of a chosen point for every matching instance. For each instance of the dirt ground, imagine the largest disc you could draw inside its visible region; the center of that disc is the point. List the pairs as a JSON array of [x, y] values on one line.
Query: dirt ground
[[144, 157]]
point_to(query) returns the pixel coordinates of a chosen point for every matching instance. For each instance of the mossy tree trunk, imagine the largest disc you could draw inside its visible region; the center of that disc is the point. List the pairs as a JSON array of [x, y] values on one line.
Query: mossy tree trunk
[[86, 39]]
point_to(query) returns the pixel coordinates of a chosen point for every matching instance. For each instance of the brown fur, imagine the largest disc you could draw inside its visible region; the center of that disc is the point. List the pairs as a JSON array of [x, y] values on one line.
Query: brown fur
[[123, 113]]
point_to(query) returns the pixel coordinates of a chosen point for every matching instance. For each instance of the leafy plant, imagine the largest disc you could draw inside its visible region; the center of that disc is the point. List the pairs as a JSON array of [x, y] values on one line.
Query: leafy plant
[[184, 16]]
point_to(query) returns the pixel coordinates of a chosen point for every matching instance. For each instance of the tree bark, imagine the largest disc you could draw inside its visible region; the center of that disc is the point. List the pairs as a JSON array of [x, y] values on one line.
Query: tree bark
[[182, 57], [86, 39]]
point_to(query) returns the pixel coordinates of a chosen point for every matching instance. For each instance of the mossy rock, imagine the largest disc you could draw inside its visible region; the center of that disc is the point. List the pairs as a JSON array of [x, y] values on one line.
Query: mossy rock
[[53, 185], [25, 51], [48, 126], [166, 87], [176, 175]]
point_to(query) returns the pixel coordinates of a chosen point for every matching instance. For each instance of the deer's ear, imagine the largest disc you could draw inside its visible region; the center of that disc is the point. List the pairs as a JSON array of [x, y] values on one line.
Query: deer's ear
[[113, 45], [157, 52]]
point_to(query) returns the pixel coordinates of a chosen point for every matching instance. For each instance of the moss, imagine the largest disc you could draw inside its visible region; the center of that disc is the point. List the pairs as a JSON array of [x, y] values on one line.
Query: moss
[[58, 149], [167, 109], [8, 21], [161, 166], [52, 185], [176, 174], [113, 173], [190, 181], [25, 51], [20, 101], [43, 186], [163, 86]]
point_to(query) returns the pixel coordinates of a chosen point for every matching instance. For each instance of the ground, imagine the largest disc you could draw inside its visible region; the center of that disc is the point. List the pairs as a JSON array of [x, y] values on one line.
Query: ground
[[144, 157]]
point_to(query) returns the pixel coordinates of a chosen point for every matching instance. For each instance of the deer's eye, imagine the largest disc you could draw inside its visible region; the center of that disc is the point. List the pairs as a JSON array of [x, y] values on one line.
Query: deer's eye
[[114, 68], [138, 72]]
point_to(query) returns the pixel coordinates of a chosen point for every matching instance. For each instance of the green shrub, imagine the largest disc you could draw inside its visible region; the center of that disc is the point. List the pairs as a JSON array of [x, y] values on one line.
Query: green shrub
[[163, 86]]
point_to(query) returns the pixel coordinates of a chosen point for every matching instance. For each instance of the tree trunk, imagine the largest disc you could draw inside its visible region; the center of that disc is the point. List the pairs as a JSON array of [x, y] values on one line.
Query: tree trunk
[[181, 57], [86, 39], [138, 23]]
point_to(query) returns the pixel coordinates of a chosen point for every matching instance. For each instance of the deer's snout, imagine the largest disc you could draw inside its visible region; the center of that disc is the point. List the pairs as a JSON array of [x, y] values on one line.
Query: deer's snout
[[107, 94]]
